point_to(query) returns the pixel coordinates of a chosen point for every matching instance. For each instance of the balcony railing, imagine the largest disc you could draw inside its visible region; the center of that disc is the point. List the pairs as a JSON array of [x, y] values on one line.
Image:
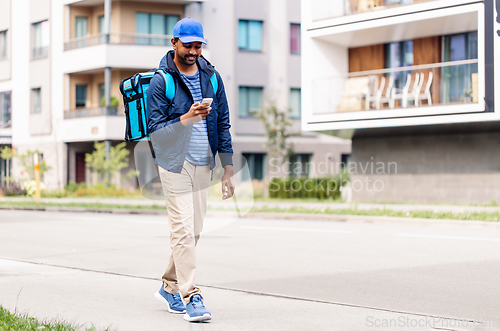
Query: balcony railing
[[437, 84], [92, 112], [324, 9], [118, 39]]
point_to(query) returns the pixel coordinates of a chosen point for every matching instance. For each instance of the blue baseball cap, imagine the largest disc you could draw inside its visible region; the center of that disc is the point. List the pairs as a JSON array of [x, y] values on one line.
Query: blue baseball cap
[[189, 30]]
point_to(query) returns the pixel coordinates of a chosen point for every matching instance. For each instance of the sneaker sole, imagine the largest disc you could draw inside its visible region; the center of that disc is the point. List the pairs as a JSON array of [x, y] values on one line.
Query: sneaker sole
[[170, 310], [203, 318]]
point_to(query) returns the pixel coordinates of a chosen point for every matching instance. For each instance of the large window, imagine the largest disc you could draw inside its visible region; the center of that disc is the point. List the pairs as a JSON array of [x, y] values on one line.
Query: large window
[[256, 165], [294, 38], [158, 24], [5, 110], [250, 35], [399, 54], [457, 80], [3, 45], [249, 100], [81, 96], [299, 165], [81, 24], [41, 38], [295, 103], [36, 100]]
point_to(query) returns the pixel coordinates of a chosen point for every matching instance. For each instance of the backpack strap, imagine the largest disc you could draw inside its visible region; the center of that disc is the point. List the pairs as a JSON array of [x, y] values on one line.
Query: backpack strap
[[215, 83], [169, 85]]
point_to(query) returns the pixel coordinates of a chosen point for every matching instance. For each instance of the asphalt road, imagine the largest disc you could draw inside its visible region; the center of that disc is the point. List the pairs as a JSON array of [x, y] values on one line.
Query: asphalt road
[[255, 274]]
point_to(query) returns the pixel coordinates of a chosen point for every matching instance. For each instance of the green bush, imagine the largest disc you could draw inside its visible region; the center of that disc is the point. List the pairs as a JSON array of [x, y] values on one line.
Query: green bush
[[303, 187], [72, 187]]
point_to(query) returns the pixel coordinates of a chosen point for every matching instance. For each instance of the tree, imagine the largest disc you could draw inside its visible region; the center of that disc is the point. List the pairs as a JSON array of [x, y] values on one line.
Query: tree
[[26, 160], [277, 125], [118, 159], [7, 154]]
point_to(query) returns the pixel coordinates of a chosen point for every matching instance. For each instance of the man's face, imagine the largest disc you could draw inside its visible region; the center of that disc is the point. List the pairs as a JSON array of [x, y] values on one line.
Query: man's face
[[187, 53]]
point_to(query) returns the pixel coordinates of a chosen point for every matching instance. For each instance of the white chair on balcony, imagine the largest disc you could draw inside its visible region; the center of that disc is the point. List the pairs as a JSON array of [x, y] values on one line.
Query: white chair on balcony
[[384, 94], [426, 95], [402, 94], [415, 89], [374, 89]]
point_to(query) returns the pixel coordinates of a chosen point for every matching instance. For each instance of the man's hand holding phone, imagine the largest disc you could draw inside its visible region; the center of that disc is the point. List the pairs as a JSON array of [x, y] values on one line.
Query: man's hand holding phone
[[197, 112]]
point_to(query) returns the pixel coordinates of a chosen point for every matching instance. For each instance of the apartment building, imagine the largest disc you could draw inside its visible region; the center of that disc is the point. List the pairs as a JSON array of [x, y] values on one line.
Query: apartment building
[[61, 62], [417, 80]]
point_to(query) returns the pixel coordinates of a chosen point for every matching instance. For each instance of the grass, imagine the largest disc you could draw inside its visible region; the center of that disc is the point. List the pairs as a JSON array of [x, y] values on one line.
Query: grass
[[428, 214], [16, 322]]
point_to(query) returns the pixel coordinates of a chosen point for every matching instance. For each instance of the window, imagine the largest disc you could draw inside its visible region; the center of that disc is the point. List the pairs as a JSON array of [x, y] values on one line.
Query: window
[[249, 100], [81, 96], [41, 38], [3, 45], [102, 92], [256, 165], [250, 35], [295, 103], [399, 54], [299, 165], [294, 38], [159, 24], [36, 100], [457, 80], [344, 160], [5, 110], [80, 27]]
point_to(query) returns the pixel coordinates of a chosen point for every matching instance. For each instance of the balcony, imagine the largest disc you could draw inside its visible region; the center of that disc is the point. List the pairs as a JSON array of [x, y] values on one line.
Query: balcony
[[115, 50], [90, 124], [448, 87]]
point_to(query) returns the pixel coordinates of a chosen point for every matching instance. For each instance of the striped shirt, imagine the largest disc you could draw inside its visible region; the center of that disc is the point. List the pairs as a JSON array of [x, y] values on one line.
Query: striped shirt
[[199, 149]]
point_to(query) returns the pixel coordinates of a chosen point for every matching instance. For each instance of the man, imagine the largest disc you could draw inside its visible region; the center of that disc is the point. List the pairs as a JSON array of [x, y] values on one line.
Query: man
[[186, 136]]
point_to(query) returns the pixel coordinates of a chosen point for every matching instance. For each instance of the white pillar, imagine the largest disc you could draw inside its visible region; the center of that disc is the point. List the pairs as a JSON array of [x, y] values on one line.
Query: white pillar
[[67, 92], [67, 23]]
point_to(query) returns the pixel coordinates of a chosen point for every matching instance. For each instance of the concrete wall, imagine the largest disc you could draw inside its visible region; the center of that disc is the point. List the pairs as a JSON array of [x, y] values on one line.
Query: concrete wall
[[448, 167]]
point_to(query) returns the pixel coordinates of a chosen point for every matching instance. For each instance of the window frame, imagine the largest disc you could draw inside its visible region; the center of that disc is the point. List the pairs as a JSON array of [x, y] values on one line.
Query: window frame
[[76, 95], [86, 26], [167, 31], [247, 36], [247, 106], [299, 158]]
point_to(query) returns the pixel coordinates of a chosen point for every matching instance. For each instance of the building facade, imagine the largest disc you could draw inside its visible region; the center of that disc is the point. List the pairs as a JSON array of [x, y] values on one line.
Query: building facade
[[417, 80], [61, 62]]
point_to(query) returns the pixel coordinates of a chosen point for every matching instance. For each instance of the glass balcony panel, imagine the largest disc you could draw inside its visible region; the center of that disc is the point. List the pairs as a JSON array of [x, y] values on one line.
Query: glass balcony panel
[[397, 89], [118, 39]]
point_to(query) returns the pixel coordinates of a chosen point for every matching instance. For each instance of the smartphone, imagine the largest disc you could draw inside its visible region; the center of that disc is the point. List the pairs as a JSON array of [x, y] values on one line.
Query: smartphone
[[206, 102]]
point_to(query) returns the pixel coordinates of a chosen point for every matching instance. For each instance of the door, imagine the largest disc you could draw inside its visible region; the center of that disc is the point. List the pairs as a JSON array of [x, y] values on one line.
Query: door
[[80, 167]]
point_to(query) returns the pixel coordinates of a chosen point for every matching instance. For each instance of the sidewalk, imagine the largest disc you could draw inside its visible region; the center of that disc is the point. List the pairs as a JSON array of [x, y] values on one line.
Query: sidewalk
[[275, 204]]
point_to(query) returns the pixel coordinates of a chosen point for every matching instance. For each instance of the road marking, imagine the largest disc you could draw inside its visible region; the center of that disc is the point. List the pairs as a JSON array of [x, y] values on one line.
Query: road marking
[[444, 237], [294, 229]]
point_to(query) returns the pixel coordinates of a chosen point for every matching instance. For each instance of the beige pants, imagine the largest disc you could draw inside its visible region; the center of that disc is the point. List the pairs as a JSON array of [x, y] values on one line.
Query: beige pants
[[186, 195]]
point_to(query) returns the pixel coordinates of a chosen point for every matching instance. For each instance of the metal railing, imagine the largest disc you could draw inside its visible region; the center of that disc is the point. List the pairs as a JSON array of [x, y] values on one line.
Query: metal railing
[[92, 112], [118, 39]]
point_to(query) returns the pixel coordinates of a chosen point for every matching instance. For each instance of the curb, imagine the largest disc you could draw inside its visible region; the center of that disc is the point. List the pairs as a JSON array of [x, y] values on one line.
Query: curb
[[281, 216]]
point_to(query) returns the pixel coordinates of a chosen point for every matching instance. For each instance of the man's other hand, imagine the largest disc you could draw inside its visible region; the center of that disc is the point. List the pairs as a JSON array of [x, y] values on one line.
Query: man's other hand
[[227, 182]]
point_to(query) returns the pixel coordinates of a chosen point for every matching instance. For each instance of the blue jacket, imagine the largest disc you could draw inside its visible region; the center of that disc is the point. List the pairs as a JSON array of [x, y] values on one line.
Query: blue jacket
[[169, 136]]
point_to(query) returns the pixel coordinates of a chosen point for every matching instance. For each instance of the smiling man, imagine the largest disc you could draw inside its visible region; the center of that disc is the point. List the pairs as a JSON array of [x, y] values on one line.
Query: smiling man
[[186, 135]]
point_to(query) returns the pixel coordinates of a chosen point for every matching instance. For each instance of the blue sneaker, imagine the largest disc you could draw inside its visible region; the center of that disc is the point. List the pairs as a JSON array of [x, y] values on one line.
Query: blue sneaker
[[196, 311], [173, 301]]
